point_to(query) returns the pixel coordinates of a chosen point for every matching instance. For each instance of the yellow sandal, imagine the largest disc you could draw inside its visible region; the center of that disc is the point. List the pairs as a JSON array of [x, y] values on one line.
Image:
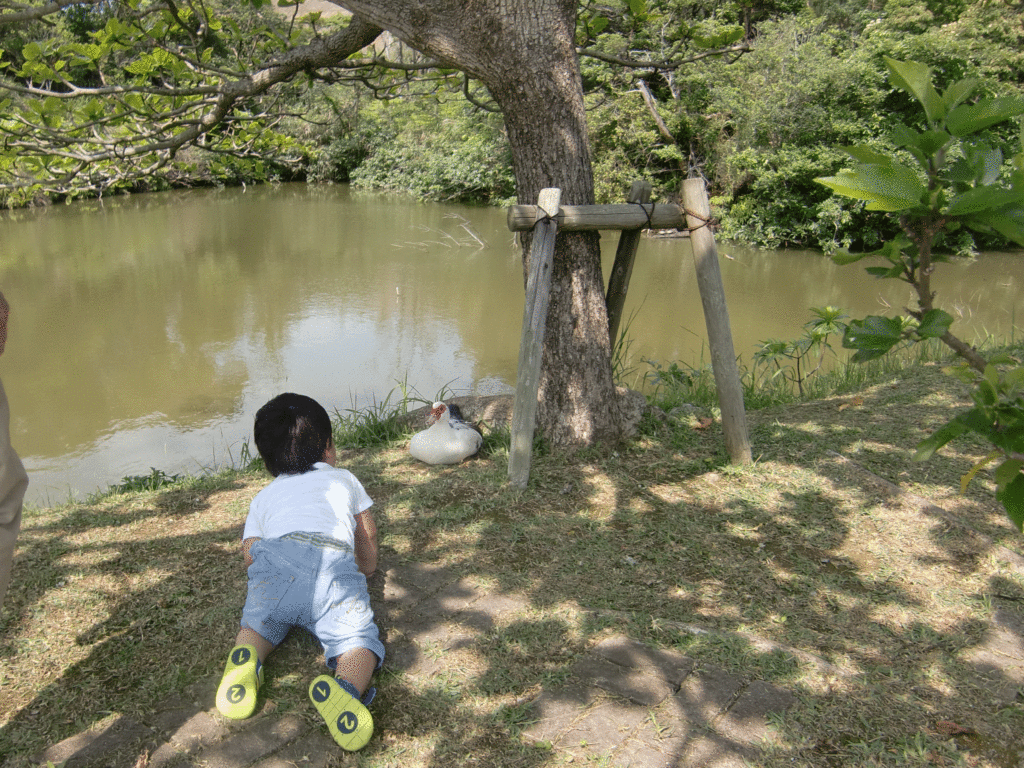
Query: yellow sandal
[[243, 676], [348, 720]]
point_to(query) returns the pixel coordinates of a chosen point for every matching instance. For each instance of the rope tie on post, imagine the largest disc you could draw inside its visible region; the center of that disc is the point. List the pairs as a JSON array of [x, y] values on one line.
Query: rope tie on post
[[646, 213], [707, 221], [540, 217], [543, 216]]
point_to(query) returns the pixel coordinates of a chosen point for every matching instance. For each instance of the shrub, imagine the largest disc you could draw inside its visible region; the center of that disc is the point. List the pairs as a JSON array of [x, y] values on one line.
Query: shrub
[[443, 152]]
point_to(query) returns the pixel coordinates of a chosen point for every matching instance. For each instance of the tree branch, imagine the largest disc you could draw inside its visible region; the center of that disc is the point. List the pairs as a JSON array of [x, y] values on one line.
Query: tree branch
[[473, 100], [652, 107], [153, 133], [966, 351], [35, 13], [663, 66]]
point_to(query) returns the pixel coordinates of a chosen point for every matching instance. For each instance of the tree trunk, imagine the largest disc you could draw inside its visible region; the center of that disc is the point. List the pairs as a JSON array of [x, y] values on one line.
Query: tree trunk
[[522, 50]]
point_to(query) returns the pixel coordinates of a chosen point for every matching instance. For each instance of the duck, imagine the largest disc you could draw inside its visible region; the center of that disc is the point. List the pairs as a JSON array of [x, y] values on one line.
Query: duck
[[448, 439]]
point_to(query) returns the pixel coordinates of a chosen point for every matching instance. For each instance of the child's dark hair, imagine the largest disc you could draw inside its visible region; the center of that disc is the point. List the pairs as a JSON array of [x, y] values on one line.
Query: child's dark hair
[[292, 433]]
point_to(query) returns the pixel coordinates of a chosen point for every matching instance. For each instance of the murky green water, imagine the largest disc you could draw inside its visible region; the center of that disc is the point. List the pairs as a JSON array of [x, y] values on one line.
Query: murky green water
[[146, 331]]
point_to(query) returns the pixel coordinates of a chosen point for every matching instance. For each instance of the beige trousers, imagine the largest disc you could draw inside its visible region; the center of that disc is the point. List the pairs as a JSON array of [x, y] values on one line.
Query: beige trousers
[[13, 483]]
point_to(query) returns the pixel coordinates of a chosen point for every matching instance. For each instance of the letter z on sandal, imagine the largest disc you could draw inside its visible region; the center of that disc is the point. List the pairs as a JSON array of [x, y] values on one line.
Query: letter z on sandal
[[348, 720]]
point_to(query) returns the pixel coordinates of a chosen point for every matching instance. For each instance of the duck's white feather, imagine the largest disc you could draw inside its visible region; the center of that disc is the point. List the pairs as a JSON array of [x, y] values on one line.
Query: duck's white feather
[[446, 441]]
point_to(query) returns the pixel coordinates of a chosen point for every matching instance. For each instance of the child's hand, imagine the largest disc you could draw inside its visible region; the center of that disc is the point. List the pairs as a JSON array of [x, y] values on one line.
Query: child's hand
[[366, 543], [245, 549]]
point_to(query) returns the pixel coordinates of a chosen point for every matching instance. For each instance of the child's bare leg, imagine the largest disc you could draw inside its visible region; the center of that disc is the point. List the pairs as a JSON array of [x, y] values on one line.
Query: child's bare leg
[[248, 636], [357, 667]]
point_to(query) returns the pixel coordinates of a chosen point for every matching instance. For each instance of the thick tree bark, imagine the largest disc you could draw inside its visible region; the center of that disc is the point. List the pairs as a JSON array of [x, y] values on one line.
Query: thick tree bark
[[522, 50]]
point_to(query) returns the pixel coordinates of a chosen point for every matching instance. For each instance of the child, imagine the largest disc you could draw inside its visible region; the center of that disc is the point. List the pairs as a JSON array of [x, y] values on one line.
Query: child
[[309, 543]]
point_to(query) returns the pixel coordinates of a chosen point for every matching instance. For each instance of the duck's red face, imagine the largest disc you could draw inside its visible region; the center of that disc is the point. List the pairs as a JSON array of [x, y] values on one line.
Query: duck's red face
[[436, 412]]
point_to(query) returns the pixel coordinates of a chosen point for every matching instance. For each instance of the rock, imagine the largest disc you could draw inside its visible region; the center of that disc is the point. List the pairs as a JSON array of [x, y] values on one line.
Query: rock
[[633, 405]]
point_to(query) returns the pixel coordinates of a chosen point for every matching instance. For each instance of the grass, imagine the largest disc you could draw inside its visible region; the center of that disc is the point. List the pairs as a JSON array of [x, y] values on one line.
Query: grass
[[764, 385], [133, 598]]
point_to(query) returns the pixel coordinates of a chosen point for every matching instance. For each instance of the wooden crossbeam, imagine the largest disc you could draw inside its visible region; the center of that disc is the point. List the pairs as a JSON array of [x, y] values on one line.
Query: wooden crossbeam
[[573, 218]]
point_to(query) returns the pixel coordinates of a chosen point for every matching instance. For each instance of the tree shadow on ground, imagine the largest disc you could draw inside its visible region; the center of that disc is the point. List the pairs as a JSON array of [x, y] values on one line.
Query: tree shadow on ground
[[136, 595], [817, 557], [490, 599]]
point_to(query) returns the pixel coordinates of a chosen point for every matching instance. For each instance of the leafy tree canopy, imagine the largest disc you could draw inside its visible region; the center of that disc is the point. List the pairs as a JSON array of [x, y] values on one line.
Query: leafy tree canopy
[[754, 96]]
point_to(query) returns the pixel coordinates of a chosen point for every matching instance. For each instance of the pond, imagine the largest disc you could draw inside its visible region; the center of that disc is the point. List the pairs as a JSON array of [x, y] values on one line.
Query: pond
[[147, 330]]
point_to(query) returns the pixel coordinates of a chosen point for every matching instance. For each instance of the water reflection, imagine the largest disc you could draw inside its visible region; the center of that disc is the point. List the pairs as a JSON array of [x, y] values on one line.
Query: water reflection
[[147, 330]]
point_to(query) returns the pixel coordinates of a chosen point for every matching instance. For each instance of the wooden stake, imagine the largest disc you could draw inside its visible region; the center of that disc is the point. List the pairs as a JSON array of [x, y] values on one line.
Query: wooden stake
[[716, 317], [618, 282], [531, 347]]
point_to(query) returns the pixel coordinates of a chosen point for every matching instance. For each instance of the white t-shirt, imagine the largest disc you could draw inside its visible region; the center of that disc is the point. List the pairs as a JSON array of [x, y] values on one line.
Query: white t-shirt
[[324, 500]]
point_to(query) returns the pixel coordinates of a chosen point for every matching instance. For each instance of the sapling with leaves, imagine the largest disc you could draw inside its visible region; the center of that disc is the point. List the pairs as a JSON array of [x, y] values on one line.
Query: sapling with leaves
[[793, 360], [964, 176]]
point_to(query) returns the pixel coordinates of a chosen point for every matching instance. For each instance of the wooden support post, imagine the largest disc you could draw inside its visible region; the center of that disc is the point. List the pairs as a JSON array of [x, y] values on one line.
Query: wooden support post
[[622, 270], [531, 347], [716, 317]]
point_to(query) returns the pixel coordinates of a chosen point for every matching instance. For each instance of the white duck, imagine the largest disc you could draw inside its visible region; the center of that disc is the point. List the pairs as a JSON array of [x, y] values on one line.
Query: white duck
[[448, 440]]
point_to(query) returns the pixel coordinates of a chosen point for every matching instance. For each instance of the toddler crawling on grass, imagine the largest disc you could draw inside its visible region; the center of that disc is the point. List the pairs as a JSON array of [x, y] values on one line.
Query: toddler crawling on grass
[[309, 544]]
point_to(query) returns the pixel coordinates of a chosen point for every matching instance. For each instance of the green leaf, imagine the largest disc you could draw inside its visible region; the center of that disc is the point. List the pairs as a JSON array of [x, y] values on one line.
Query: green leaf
[[718, 39], [988, 161], [978, 419], [985, 395], [637, 7], [161, 57], [1008, 223], [927, 447], [1014, 378], [916, 79], [931, 142], [89, 51], [959, 91], [141, 66], [1012, 439], [1007, 471], [991, 374], [928, 142], [982, 199], [934, 324], [868, 155], [1012, 498], [971, 118], [902, 136], [866, 355], [135, 101], [873, 334], [597, 24], [892, 187]]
